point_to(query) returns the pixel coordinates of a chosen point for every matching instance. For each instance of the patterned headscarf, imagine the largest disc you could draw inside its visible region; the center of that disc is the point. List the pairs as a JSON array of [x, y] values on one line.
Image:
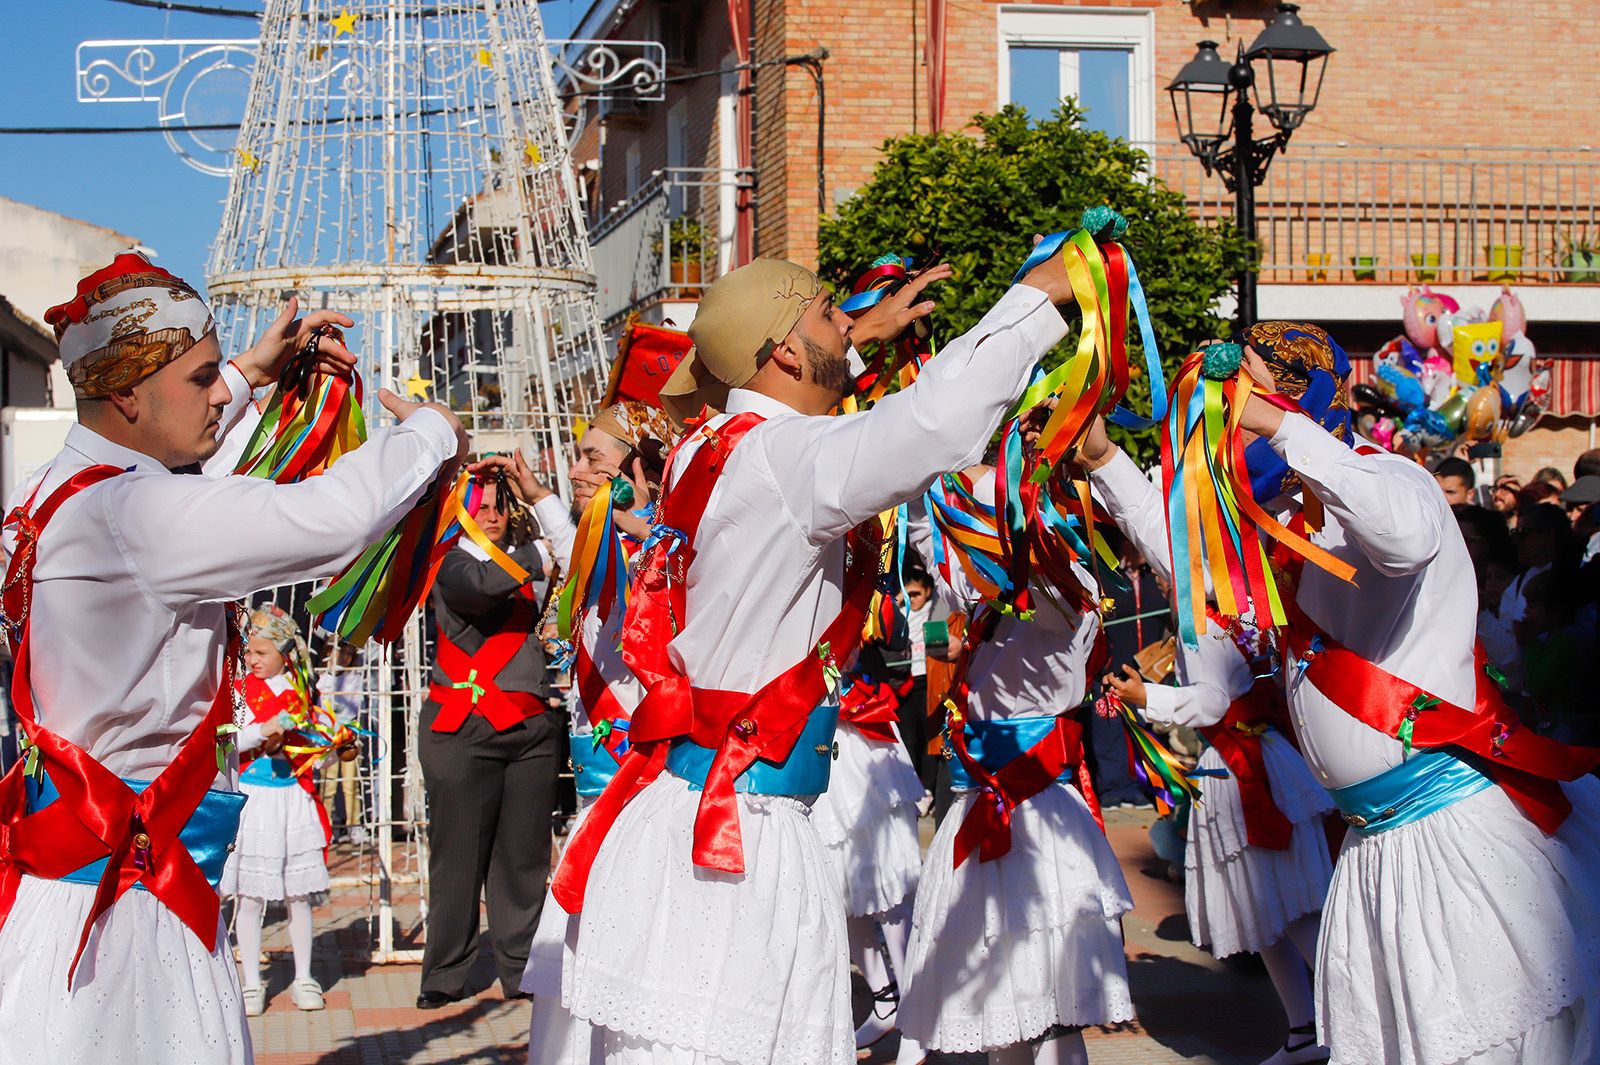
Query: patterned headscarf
[[1308, 365], [633, 423], [127, 321], [272, 623]]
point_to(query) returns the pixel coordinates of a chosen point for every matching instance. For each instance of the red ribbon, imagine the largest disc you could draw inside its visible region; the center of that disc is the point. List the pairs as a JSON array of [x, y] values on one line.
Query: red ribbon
[[266, 704], [600, 703], [1527, 765], [98, 815], [1239, 745], [987, 826], [873, 709]]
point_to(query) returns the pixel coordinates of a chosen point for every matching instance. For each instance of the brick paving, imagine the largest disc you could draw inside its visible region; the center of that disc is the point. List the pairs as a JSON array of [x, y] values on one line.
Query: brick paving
[[1191, 1008]]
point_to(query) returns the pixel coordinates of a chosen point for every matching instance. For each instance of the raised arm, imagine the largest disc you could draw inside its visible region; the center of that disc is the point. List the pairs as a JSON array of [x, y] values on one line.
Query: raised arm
[[1389, 506], [473, 586], [835, 473], [204, 539], [1211, 676], [1137, 507]]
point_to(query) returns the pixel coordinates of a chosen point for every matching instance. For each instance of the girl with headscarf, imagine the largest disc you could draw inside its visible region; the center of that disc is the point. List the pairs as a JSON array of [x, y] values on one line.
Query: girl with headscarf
[[283, 836]]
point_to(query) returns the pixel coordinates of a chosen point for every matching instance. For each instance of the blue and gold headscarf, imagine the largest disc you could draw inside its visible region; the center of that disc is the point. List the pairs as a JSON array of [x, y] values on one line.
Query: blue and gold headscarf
[[1309, 366]]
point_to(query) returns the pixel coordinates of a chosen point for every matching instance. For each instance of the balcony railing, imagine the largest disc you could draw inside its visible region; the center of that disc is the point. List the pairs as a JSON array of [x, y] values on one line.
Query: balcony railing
[[665, 242], [1405, 215]]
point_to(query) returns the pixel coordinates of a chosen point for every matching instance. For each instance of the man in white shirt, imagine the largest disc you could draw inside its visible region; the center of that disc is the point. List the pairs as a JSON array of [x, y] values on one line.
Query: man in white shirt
[[724, 941], [120, 581], [1461, 924]]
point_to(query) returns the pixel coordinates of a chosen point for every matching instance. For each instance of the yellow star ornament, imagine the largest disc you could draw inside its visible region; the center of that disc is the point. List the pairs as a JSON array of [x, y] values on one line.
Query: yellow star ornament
[[485, 57], [249, 160], [344, 23], [417, 387], [531, 151]]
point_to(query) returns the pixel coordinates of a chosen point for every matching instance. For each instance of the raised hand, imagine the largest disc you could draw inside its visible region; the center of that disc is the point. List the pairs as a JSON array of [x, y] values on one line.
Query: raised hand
[[1129, 686], [525, 484], [263, 364], [405, 408], [894, 313], [1050, 277]]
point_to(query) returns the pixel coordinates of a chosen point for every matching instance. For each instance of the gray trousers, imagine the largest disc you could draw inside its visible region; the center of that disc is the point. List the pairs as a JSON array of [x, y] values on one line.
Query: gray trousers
[[490, 799]]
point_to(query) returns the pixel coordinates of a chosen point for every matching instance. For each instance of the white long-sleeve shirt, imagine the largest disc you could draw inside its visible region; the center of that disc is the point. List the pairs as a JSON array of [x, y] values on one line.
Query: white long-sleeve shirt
[[1210, 677], [134, 574], [1413, 607], [768, 575], [1037, 666]]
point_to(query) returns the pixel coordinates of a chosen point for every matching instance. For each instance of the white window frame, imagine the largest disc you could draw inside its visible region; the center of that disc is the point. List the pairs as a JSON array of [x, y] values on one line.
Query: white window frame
[[728, 157], [1033, 26]]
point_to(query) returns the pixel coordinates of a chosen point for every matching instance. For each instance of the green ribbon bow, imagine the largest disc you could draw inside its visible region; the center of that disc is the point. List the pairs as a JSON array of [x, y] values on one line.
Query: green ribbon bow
[[225, 743], [830, 670], [478, 690], [1418, 705], [1495, 675], [31, 764], [601, 731]]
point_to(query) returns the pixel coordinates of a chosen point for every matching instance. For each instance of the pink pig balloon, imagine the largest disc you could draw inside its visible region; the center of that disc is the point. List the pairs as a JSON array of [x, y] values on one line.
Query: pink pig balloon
[[1422, 308], [1507, 310]]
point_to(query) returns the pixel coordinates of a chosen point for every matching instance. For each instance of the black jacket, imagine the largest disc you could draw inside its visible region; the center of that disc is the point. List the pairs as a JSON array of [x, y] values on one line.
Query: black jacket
[[473, 600]]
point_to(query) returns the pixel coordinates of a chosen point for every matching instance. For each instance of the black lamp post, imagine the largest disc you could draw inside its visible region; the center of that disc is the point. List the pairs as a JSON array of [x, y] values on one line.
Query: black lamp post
[[1214, 104]]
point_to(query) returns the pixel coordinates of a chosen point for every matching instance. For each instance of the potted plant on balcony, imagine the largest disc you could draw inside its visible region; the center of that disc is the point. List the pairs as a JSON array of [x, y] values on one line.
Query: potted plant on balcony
[[1579, 258], [687, 245]]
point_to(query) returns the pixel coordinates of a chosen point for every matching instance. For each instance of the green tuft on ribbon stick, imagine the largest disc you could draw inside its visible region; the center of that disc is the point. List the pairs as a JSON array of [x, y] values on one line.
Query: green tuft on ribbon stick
[[1220, 361], [1103, 224]]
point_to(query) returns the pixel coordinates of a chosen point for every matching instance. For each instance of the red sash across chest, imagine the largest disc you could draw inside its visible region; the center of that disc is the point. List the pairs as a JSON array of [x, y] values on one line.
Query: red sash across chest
[[266, 704], [473, 688], [98, 816], [741, 727]]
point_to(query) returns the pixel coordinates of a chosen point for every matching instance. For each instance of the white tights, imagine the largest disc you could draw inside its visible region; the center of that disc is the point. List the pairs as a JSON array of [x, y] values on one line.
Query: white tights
[[1064, 1049], [248, 915], [1289, 962]]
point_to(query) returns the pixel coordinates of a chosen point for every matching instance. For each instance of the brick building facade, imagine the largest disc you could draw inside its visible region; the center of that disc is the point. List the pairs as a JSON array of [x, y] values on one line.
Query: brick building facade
[[1450, 140]]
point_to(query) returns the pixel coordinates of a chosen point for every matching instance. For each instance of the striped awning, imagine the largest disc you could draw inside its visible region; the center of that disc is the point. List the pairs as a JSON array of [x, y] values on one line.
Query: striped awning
[[1574, 383]]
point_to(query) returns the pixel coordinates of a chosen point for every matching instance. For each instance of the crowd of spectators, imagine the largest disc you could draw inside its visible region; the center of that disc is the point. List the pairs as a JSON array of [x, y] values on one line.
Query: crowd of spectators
[[1534, 548]]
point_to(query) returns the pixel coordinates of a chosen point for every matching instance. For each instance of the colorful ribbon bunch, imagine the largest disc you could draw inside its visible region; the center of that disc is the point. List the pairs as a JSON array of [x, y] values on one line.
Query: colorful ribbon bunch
[[325, 734], [1214, 522], [599, 572], [1046, 528], [1095, 380], [1155, 767], [311, 420], [889, 613], [374, 597], [897, 362]]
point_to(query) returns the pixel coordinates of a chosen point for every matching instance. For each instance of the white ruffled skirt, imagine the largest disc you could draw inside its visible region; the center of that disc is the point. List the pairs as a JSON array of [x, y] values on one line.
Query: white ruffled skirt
[[1241, 897], [278, 853], [1469, 932], [1002, 951], [749, 968], [868, 821], [555, 1036], [146, 989]]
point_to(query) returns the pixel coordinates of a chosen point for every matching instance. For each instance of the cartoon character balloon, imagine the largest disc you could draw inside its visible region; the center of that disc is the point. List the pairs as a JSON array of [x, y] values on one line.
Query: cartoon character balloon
[[1421, 311], [1477, 353]]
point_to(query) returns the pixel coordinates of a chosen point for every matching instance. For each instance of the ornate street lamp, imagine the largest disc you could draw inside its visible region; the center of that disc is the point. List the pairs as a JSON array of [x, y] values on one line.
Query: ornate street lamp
[[1214, 104]]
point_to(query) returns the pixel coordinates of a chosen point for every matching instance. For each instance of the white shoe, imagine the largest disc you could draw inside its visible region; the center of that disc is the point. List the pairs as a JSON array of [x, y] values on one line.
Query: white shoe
[[880, 1022], [359, 835], [1301, 1048], [307, 994], [925, 804], [255, 1001]]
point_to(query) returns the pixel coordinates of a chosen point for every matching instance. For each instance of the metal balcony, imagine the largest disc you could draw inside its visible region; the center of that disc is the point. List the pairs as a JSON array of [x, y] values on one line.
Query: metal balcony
[[1407, 215], [666, 242]]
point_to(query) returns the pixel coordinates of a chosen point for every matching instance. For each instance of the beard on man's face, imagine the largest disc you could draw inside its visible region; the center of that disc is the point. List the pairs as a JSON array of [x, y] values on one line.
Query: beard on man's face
[[828, 370]]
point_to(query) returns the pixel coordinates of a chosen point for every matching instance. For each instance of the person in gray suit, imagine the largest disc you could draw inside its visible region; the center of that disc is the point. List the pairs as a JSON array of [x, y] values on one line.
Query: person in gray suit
[[489, 753]]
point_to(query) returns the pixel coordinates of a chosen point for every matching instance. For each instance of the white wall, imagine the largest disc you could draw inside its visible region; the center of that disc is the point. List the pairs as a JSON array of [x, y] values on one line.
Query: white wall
[[42, 257]]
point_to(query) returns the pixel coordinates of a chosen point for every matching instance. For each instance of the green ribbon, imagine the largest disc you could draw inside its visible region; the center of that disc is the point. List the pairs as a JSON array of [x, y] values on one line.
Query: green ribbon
[[1418, 705], [31, 765], [224, 745], [1495, 675], [601, 731], [472, 682], [830, 671]]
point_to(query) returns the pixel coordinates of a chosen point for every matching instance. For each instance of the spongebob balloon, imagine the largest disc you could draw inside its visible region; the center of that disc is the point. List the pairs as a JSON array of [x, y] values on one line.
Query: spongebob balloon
[[1477, 353]]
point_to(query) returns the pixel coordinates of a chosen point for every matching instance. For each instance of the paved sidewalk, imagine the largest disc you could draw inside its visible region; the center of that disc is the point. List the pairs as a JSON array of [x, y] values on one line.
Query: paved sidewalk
[[1191, 1008]]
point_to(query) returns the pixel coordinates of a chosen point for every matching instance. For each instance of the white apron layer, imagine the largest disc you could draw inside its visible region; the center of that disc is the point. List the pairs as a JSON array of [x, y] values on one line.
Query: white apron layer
[[868, 821]]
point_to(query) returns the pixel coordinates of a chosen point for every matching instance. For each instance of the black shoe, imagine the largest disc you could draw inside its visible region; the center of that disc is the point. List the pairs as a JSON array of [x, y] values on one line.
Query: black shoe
[[432, 1000]]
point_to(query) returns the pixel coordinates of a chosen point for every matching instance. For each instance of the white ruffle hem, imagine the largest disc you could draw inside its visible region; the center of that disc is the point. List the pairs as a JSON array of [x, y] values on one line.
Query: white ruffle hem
[[868, 821], [555, 1036], [146, 990], [1002, 951], [1467, 935], [749, 968], [1243, 898], [278, 854]]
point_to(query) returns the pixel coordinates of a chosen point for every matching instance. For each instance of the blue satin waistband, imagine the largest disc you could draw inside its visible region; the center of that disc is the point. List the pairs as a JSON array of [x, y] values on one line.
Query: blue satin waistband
[[208, 834], [996, 744], [804, 772], [593, 765], [1424, 783], [271, 772]]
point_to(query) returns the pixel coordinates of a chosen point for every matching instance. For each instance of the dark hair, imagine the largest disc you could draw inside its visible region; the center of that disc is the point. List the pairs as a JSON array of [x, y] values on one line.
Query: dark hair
[[1544, 517], [1534, 494], [916, 575], [1489, 528], [1551, 475], [1454, 467], [1588, 464]]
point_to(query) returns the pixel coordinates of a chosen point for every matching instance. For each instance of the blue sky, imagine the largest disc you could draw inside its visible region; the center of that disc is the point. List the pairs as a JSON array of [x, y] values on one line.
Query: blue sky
[[132, 182]]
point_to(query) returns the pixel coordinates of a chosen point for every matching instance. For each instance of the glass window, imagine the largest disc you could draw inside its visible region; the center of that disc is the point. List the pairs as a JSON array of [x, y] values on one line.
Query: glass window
[[1100, 78]]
